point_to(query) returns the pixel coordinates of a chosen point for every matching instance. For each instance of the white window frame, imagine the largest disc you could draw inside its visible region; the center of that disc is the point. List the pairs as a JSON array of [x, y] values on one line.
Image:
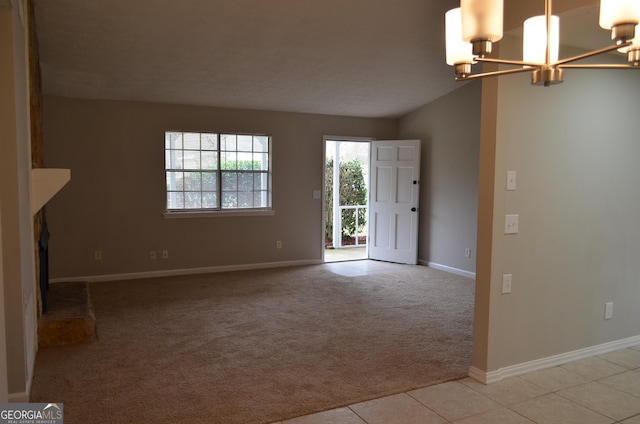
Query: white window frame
[[225, 144]]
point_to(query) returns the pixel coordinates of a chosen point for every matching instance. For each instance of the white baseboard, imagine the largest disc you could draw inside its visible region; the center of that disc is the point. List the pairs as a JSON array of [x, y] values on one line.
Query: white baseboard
[[551, 361], [450, 269], [187, 271]]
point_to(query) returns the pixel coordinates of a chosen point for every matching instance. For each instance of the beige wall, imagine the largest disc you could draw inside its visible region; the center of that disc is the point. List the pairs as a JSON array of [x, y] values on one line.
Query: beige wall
[[116, 197], [575, 149], [450, 132]]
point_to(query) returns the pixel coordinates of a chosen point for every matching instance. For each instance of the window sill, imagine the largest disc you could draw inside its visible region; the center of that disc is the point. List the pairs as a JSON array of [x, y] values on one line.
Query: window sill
[[218, 214]]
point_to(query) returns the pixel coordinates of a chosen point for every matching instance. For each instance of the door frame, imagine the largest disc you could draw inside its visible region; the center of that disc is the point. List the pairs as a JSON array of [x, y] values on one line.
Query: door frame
[[326, 138]]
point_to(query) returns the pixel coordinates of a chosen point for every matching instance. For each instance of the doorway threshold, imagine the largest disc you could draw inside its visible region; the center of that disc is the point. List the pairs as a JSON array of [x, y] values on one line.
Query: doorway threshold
[[359, 268], [345, 254]]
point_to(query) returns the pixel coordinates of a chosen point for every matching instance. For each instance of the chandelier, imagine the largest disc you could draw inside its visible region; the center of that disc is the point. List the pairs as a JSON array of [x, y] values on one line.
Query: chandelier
[[472, 28]]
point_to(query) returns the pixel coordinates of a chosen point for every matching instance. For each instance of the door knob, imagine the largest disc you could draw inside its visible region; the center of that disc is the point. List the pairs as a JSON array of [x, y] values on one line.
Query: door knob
[[413, 209]]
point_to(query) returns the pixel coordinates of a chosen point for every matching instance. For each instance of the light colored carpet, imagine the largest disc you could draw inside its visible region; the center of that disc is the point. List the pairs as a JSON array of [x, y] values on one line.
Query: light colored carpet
[[259, 346]]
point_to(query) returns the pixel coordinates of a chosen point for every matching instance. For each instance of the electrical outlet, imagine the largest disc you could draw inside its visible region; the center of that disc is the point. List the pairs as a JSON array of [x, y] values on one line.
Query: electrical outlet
[[97, 255], [165, 254], [153, 254], [467, 253], [506, 283], [608, 310], [278, 244]]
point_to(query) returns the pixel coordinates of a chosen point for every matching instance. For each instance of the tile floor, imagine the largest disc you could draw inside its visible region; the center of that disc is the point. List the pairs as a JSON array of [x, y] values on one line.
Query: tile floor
[[597, 390]]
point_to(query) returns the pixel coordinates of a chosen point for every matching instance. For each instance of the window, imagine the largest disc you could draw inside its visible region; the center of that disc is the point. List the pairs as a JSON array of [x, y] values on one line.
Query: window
[[217, 172]]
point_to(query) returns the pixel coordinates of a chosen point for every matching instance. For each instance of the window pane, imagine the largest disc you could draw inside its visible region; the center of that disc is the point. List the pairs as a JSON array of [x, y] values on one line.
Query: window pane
[[192, 181], [260, 199], [229, 181], [261, 161], [209, 181], [193, 200], [245, 161], [191, 159], [228, 142], [175, 200], [245, 181], [174, 181], [192, 141], [229, 200], [229, 160], [209, 141], [260, 143], [173, 159], [209, 200], [260, 181], [245, 199], [245, 143], [173, 140], [209, 160]]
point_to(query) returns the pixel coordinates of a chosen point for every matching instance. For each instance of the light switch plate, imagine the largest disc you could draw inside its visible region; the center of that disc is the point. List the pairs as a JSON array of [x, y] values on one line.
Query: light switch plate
[[511, 224], [511, 180], [316, 194], [506, 283]]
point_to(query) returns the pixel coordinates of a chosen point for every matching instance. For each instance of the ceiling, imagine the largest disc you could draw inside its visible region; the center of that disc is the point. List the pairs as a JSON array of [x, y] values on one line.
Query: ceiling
[[368, 58]]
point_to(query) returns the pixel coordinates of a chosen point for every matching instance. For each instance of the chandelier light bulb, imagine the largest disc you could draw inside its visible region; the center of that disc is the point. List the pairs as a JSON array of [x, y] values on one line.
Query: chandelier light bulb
[[481, 23], [621, 17], [534, 41], [457, 50], [615, 12]]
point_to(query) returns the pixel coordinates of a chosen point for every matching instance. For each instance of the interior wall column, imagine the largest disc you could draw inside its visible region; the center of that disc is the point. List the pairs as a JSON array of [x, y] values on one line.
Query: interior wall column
[[5, 16], [4, 387], [489, 194], [16, 222]]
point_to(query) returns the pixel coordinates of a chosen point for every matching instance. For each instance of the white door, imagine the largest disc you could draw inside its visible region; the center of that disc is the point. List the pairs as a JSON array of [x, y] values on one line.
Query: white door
[[393, 201]]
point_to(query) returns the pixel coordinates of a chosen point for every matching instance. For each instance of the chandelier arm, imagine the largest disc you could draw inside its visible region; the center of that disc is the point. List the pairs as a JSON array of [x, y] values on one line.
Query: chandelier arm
[[507, 62], [597, 66], [591, 54], [493, 74]]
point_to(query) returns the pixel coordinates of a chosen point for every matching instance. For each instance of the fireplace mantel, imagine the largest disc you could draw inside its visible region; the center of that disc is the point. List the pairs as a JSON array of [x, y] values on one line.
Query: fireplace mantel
[[45, 183]]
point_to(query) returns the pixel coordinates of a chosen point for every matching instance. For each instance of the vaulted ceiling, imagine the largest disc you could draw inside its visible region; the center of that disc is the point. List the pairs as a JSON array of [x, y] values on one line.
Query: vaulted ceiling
[[371, 58]]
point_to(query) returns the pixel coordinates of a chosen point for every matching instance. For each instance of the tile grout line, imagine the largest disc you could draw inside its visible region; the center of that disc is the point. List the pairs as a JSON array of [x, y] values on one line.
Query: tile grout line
[[417, 400], [356, 414]]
